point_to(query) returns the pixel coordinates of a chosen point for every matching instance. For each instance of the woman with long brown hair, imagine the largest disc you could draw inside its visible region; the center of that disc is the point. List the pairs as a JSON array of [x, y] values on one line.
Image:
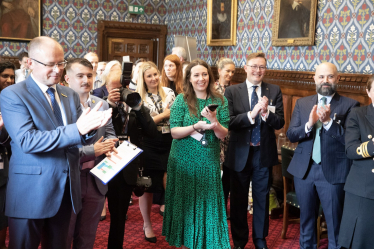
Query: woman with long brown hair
[[195, 214], [172, 75]]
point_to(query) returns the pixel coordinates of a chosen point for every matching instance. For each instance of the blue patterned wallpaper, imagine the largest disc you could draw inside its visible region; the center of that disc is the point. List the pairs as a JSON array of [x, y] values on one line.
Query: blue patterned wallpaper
[[344, 33]]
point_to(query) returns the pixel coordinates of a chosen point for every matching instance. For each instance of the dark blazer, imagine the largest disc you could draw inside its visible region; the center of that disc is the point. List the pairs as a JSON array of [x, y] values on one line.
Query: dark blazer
[[335, 164], [359, 129], [44, 154], [4, 152], [100, 92], [241, 129], [140, 124], [87, 152]]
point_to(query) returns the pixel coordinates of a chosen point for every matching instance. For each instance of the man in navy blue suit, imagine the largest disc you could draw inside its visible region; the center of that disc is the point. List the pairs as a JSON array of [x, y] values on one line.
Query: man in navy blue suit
[[256, 109], [319, 165], [47, 127]]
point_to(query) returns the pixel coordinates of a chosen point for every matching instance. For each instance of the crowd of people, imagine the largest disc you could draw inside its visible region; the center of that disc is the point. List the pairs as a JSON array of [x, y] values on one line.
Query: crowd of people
[[63, 117]]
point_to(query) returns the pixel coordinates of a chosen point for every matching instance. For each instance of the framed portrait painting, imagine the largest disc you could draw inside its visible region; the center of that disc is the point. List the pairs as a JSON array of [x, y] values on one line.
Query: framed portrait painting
[[294, 22], [20, 19], [221, 22]]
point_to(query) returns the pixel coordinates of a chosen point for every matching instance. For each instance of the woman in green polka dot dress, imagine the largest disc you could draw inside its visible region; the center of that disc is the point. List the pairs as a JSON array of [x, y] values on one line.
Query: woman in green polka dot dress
[[195, 215]]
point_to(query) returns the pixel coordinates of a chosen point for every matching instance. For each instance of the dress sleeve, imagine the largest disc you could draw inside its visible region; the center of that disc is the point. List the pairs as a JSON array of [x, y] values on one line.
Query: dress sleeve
[[177, 112], [223, 114]]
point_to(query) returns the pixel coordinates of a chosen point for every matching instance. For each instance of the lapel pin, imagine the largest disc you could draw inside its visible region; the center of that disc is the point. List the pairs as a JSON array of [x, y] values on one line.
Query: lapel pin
[[64, 95], [93, 101], [370, 136]]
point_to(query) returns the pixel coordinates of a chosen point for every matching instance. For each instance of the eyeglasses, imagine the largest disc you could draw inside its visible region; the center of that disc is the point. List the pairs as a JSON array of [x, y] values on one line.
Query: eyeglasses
[[60, 65], [255, 67]]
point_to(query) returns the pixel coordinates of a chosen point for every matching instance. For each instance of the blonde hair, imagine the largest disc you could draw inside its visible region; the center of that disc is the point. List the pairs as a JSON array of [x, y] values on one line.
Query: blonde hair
[[222, 62], [107, 69], [141, 86]]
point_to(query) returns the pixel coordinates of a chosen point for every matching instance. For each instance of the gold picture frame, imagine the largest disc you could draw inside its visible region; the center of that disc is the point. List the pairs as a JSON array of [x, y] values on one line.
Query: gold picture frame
[[294, 22], [219, 19], [20, 21]]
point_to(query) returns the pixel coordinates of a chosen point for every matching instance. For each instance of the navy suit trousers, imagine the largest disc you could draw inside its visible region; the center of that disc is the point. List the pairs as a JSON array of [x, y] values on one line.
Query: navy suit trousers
[[309, 192]]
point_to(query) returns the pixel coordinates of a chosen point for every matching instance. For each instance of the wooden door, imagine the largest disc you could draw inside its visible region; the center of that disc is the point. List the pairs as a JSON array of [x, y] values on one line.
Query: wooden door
[[135, 48]]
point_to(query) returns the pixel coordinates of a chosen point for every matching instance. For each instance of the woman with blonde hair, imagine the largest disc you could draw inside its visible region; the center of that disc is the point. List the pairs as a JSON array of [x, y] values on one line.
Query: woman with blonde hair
[[156, 150], [172, 74]]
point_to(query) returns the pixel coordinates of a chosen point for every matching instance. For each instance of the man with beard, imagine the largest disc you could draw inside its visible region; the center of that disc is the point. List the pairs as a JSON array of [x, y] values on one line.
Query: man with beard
[[319, 165]]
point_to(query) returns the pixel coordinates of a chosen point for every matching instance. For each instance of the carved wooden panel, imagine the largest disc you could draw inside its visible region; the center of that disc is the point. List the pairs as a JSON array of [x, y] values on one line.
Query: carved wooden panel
[[138, 41], [13, 59]]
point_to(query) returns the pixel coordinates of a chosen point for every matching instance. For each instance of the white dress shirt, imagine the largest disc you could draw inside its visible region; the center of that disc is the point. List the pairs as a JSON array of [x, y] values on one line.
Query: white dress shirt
[[258, 91], [44, 89]]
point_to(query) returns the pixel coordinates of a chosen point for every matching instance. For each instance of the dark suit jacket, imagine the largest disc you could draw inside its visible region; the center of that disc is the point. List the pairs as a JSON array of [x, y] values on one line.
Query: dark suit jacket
[[241, 129], [140, 124], [44, 155], [87, 153], [4, 152], [100, 92], [360, 125], [335, 164]]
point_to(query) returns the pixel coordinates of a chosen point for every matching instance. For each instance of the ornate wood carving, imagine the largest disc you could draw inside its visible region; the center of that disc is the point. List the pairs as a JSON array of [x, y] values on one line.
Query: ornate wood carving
[[111, 29]]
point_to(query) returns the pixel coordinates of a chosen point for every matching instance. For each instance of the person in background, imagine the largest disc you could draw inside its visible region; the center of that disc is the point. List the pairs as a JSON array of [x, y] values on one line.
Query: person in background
[[226, 70], [195, 215], [156, 150], [130, 124], [100, 69], [184, 66], [93, 58], [356, 228], [82, 228], [172, 75], [24, 71], [256, 110], [180, 52], [47, 125], [6, 79], [319, 165], [102, 90], [135, 73]]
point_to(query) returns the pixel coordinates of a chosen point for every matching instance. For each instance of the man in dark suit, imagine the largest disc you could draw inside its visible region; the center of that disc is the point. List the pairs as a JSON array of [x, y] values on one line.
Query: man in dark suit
[[256, 109], [46, 125], [319, 165], [129, 124], [82, 229]]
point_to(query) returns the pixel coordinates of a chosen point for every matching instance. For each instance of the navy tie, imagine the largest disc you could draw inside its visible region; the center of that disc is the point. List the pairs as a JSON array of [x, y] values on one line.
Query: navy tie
[[255, 138], [56, 108]]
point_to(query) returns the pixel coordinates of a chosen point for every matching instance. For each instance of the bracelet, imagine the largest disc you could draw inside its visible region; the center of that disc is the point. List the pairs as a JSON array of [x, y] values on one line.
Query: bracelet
[[193, 126]]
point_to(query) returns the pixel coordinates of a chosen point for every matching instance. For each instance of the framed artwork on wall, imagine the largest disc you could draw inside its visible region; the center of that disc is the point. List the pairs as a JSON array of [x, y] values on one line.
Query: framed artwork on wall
[[294, 22], [221, 22], [20, 19]]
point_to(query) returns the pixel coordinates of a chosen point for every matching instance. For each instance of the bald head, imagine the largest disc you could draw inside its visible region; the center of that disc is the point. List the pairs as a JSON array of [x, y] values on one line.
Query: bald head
[[40, 44], [326, 78]]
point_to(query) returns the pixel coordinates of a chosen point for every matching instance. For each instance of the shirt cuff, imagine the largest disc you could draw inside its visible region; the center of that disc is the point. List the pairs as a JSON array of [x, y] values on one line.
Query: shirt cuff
[[265, 117], [250, 118], [306, 129], [111, 103], [328, 125]]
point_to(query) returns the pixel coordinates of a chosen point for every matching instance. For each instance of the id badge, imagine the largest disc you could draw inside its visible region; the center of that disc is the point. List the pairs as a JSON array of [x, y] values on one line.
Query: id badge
[[165, 129]]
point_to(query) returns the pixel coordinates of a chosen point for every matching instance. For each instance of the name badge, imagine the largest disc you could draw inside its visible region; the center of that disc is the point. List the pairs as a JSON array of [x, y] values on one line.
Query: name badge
[[165, 129], [271, 108]]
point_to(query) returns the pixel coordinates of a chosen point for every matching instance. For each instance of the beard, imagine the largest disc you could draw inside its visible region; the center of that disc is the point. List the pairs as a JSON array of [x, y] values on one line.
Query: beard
[[326, 91]]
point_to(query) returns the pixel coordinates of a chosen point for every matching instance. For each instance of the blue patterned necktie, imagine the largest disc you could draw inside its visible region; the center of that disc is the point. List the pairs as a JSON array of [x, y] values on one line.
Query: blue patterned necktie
[[255, 137], [56, 108], [316, 156]]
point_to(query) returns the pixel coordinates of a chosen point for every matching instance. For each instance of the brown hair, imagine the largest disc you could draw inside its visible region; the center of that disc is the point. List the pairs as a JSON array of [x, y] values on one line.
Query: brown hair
[[256, 55], [178, 79], [82, 61], [370, 83], [189, 93]]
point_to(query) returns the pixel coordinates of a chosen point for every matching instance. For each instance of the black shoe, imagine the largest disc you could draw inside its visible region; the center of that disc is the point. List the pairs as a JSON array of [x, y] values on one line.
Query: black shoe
[[161, 213], [237, 247], [152, 239], [102, 217], [261, 247]]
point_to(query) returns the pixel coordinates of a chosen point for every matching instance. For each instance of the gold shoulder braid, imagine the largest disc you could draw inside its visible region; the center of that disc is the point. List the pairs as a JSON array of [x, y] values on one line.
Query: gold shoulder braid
[[363, 150]]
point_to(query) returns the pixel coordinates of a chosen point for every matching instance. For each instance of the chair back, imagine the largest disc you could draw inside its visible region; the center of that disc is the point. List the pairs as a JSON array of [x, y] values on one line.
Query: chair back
[[287, 154]]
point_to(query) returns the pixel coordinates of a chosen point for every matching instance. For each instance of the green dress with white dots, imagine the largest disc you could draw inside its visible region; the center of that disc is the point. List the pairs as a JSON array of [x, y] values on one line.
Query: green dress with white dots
[[195, 213]]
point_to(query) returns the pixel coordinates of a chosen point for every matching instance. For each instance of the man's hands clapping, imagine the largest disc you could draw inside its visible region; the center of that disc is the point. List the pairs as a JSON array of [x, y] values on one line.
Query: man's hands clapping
[[319, 113], [93, 119], [105, 147], [261, 107]]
